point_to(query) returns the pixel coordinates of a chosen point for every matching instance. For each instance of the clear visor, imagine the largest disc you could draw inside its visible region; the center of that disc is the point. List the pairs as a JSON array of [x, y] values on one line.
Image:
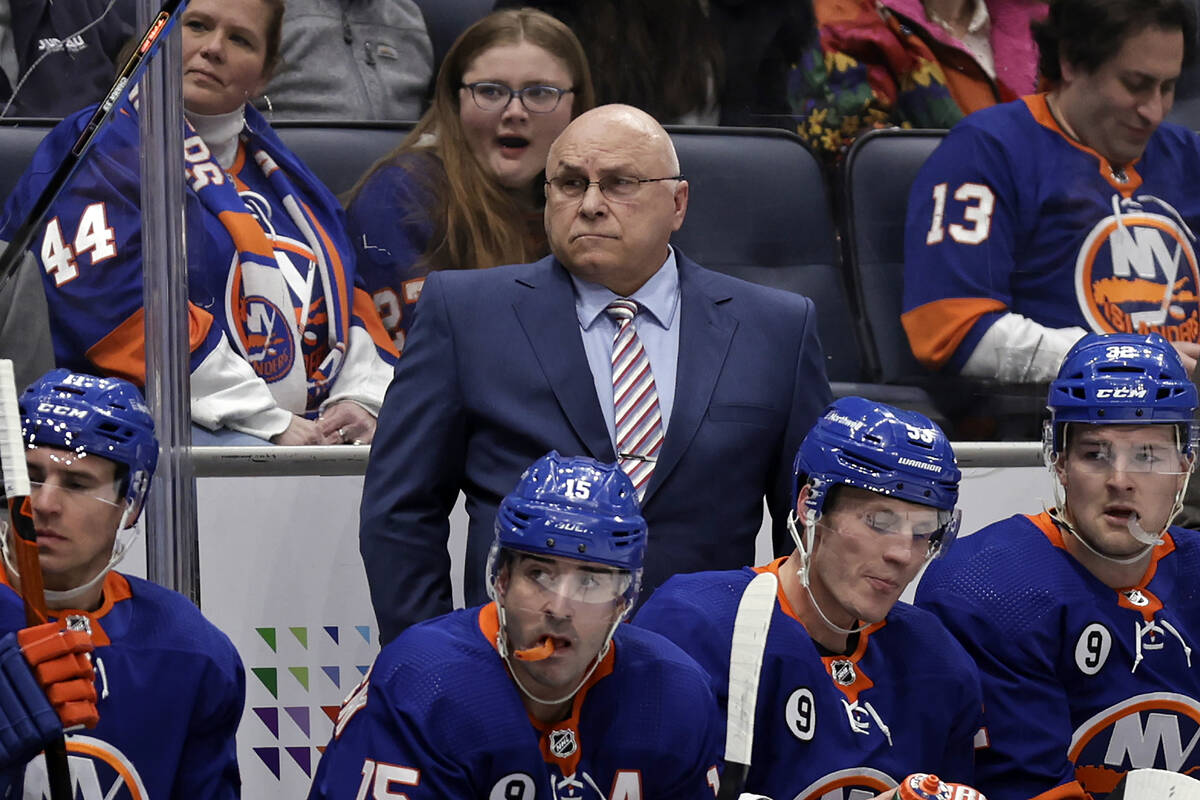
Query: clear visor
[[926, 530], [71, 478], [1158, 458], [535, 579]]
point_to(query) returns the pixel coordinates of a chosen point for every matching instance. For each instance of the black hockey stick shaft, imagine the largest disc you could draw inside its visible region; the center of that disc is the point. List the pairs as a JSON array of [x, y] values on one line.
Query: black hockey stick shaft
[[733, 780], [18, 491], [129, 74]]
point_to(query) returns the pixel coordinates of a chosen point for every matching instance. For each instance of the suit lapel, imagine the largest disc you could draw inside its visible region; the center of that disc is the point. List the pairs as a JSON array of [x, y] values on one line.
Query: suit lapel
[[547, 315], [704, 336]]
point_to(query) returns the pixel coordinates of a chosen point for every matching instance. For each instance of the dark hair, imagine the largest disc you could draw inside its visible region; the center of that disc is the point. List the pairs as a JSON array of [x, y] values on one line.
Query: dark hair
[[476, 222], [1087, 33], [662, 56], [274, 35]]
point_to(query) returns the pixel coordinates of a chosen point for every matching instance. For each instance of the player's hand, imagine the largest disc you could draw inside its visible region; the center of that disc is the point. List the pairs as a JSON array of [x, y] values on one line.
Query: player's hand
[[347, 422], [59, 660], [301, 431], [1189, 352]]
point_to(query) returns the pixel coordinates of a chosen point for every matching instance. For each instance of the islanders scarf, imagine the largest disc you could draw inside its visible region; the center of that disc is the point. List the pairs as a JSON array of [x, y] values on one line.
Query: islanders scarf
[[266, 325]]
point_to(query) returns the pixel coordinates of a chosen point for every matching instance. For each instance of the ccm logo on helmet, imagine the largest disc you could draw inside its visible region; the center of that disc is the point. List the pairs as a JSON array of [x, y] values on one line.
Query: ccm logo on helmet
[[1122, 392], [61, 411]]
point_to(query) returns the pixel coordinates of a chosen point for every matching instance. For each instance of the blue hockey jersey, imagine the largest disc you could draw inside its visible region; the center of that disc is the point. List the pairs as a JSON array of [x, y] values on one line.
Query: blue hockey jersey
[[1010, 214], [438, 716], [906, 700], [1081, 682], [171, 689]]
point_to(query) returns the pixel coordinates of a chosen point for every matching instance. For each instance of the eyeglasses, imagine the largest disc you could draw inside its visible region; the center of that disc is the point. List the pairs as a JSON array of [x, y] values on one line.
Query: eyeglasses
[[490, 96], [621, 188]]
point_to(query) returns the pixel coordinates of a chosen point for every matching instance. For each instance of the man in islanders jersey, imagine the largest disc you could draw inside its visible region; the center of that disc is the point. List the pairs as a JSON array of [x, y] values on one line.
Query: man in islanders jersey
[[1084, 619], [857, 690], [168, 686], [541, 693], [1064, 212]]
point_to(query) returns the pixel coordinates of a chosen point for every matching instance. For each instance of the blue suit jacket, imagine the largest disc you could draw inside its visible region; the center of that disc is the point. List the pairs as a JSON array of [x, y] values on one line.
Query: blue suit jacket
[[494, 375]]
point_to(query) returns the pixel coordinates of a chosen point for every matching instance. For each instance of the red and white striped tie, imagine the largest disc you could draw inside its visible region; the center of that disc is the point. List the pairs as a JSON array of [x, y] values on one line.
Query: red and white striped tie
[[635, 399]]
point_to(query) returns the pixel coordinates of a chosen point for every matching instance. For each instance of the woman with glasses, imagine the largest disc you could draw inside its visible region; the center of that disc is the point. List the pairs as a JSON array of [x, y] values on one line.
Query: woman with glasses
[[464, 188]]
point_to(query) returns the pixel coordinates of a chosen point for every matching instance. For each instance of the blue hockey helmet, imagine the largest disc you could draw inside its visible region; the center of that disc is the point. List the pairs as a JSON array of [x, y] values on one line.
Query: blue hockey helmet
[[104, 417], [873, 446], [577, 508], [1120, 378]]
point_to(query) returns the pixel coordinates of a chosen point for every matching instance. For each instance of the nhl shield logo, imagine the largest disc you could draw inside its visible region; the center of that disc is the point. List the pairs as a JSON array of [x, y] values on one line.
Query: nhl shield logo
[[1136, 598], [843, 672], [562, 743]]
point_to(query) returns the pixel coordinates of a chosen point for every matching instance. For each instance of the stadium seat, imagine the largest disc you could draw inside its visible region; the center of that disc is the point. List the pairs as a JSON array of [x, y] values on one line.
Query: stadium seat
[[875, 179], [340, 154], [876, 176], [758, 210]]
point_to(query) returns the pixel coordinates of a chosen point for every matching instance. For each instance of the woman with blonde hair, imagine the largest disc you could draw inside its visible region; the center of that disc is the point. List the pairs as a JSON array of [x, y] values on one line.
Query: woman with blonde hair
[[464, 188]]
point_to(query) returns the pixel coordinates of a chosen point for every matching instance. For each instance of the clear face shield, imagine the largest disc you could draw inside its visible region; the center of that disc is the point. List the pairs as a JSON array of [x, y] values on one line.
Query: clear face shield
[[1097, 456], [928, 532]]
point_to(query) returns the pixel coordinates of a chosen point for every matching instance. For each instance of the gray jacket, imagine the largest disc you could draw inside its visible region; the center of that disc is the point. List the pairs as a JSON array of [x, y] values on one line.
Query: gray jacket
[[351, 60]]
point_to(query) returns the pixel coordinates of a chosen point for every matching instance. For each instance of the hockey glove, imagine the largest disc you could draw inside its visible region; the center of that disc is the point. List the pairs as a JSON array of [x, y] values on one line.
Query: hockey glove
[[27, 720], [60, 663]]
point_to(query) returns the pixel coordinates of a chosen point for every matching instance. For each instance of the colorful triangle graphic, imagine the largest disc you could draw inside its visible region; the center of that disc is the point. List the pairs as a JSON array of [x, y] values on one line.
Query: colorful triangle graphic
[[362, 668], [301, 674], [335, 675], [301, 635], [299, 715], [332, 630], [331, 712], [269, 677], [268, 636], [302, 756], [270, 717], [364, 631], [270, 757]]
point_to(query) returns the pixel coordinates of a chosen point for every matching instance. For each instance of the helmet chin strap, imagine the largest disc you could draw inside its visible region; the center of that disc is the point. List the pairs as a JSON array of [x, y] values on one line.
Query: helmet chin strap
[[806, 557], [69, 598], [1140, 534], [502, 646]]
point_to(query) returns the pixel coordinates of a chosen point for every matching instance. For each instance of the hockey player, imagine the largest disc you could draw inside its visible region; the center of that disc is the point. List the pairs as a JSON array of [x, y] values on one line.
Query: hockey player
[[541, 693], [169, 687], [856, 690], [1064, 212], [1084, 619]]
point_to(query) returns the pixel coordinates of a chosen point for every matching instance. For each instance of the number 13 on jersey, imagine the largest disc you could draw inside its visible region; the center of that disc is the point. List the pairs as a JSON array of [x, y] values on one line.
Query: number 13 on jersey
[[979, 203]]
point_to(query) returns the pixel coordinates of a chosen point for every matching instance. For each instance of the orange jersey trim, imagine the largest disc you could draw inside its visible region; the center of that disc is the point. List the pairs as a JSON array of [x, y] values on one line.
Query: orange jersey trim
[[935, 330], [122, 352], [1067, 791], [1041, 112], [115, 588], [489, 625], [364, 309]]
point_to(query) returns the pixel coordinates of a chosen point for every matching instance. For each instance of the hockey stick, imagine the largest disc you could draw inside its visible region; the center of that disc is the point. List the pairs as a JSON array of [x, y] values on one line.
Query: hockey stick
[[1140, 783], [24, 542], [129, 74], [750, 627]]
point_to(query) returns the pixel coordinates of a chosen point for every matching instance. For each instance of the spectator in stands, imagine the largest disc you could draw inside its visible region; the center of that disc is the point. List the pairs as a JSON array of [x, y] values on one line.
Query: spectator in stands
[[1063, 212], [911, 63], [283, 344], [504, 364], [350, 60], [464, 189], [663, 57], [56, 58]]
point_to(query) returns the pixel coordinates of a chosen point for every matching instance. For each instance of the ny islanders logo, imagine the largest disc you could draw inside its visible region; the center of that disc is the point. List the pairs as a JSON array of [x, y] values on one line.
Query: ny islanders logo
[[266, 338], [1158, 730], [1137, 272], [859, 783], [99, 771]]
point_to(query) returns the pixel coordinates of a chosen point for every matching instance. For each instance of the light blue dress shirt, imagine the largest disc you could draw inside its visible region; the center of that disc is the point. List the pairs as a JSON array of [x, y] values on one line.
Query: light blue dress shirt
[[657, 325]]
